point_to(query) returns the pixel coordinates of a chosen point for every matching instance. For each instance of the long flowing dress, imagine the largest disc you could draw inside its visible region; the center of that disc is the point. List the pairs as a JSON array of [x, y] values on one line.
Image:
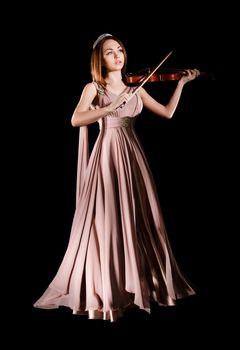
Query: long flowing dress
[[118, 253]]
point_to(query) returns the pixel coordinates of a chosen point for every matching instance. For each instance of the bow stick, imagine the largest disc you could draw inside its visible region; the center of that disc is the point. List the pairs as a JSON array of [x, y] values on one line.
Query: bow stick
[[146, 79], [150, 74]]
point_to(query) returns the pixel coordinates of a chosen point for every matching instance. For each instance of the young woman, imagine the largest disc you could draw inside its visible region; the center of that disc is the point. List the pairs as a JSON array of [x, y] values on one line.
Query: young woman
[[118, 254]]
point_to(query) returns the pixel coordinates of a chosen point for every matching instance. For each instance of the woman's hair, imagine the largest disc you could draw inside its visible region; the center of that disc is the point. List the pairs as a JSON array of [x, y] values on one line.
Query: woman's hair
[[98, 70]]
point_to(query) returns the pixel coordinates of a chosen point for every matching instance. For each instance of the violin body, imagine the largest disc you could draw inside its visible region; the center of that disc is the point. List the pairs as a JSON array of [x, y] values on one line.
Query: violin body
[[134, 79]]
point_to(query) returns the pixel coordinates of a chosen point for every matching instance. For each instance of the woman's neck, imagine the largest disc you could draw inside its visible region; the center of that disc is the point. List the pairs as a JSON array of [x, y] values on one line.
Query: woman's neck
[[114, 83], [114, 78]]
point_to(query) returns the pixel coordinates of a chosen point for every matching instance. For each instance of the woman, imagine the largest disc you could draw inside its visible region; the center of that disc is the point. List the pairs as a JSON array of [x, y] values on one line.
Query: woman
[[118, 254]]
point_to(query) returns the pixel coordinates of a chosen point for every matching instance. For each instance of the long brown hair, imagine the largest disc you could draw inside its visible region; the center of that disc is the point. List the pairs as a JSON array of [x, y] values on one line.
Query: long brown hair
[[98, 70]]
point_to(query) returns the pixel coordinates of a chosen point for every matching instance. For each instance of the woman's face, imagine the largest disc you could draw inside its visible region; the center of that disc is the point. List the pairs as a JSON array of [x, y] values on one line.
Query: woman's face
[[113, 56]]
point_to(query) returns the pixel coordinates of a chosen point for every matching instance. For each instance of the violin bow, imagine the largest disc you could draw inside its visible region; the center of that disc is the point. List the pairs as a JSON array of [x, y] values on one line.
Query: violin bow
[[149, 75]]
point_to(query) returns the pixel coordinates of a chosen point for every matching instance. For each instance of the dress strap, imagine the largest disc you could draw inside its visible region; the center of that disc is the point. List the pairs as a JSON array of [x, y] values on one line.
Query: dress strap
[[83, 157], [83, 150]]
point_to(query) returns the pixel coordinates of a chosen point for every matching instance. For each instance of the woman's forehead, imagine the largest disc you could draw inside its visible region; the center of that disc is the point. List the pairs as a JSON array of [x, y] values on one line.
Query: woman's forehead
[[110, 43]]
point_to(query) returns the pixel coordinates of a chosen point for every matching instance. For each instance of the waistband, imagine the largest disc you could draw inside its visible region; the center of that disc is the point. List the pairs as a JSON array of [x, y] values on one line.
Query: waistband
[[116, 122]]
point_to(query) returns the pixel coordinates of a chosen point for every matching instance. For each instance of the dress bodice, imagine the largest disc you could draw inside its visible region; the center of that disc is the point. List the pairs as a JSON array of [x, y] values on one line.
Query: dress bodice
[[122, 117]]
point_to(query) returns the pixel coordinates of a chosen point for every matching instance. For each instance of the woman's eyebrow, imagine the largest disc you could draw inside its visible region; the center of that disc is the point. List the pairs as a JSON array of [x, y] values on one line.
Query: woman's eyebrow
[[110, 48]]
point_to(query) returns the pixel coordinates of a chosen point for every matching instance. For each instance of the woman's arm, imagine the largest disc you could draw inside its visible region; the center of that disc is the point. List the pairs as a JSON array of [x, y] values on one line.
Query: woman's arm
[[167, 110], [84, 114]]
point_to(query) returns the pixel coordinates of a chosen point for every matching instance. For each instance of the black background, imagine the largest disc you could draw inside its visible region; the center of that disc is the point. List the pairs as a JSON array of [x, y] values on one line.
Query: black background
[[187, 156]]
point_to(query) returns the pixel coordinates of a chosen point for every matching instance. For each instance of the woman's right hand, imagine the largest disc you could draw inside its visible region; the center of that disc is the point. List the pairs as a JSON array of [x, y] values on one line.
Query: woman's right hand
[[120, 101]]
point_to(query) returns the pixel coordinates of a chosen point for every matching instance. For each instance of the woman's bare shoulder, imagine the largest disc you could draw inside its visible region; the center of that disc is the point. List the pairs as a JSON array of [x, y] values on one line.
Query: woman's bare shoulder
[[90, 87], [89, 90]]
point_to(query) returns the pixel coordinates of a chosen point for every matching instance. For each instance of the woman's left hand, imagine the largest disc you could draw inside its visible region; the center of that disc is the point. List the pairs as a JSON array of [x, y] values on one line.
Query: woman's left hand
[[190, 75]]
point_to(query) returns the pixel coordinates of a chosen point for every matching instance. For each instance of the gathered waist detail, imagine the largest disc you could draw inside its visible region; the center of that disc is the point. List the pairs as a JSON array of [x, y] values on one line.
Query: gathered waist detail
[[116, 122]]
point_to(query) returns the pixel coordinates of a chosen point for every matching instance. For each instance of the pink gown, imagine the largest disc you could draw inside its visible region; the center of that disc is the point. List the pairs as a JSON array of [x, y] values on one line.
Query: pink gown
[[118, 253]]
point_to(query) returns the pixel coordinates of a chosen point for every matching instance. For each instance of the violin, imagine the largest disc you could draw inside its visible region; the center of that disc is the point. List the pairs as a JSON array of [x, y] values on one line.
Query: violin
[[151, 75], [162, 75]]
